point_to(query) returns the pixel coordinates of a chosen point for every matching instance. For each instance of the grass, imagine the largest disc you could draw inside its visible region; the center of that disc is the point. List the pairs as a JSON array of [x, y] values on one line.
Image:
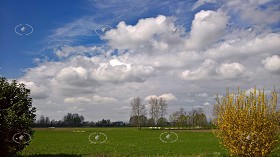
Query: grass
[[122, 142]]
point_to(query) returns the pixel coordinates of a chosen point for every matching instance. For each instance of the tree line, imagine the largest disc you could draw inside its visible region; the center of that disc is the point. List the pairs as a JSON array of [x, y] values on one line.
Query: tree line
[[74, 120], [68, 120], [157, 107]]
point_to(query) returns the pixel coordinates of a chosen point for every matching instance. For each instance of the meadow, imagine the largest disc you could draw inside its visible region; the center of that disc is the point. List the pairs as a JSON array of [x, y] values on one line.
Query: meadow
[[130, 142]]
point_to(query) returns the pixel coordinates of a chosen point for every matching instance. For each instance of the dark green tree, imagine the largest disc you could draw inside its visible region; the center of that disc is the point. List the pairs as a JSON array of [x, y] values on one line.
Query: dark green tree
[[16, 117], [134, 120], [73, 120], [162, 121]]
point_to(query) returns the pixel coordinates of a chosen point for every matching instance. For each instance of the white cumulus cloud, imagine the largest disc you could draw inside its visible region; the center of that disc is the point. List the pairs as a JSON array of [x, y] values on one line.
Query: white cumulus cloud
[[207, 27], [102, 100], [148, 34], [202, 95], [117, 71], [206, 104], [72, 73], [231, 70], [37, 91], [77, 100], [206, 70], [96, 99], [272, 63], [167, 96]]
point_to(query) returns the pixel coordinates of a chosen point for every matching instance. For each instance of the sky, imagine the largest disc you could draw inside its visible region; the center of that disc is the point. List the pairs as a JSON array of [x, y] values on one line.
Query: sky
[[92, 57]]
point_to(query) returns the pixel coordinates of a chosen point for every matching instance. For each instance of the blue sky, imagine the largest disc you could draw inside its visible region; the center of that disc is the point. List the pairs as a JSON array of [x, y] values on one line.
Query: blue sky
[[17, 51], [184, 50]]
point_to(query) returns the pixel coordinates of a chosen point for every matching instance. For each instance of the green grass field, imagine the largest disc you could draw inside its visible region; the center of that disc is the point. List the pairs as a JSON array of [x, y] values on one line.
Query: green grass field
[[122, 142]]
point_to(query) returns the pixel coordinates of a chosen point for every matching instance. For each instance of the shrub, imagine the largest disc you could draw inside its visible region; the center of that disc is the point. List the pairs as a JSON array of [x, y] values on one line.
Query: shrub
[[247, 123]]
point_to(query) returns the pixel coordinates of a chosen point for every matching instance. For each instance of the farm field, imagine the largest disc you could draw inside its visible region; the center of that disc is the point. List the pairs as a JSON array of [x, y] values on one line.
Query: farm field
[[74, 142]]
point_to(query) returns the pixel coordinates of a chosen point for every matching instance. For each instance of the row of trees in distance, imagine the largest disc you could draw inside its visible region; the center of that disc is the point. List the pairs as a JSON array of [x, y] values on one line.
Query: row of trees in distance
[[73, 120], [157, 111]]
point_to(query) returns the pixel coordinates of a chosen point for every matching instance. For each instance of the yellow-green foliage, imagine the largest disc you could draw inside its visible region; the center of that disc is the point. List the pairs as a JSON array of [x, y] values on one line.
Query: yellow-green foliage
[[247, 123]]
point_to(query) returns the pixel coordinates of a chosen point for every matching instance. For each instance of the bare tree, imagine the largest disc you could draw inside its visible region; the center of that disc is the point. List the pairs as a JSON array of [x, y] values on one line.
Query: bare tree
[[162, 106], [173, 118], [182, 111], [138, 110], [192, 115], [182, 119], [154, 109]]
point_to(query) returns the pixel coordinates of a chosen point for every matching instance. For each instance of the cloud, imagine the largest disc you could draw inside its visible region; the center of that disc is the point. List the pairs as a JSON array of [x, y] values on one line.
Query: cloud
[[254, 11], [128, 100], [272, 63], [202, 95], [72, 32], [127, 9], [206, 104], [117, 71], [77, 100], [133, 37], [207, 27], [94, 50], [210, 69], [189, 100], [239, 47], [83, 74], [248, 91], [102, 100], [201, 2], [125, 107], [147, 98], [231, 70], [77, 76], [167, 96], [96, 99], [37, 91], [71, 109], [206, 69], [72, 74]]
